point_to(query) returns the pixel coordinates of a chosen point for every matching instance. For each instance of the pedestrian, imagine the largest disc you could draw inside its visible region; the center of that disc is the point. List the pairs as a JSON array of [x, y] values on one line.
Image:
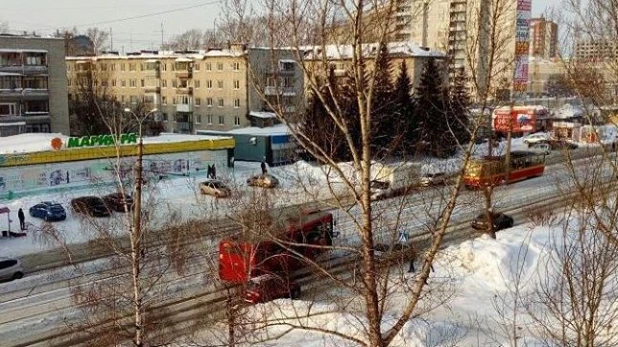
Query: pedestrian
[[209, 172], [214, 172], [232, 162], [22, 219], [263, 166]]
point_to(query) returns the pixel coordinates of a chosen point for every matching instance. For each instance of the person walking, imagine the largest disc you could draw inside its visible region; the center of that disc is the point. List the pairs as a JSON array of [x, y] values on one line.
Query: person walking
[[263, 166], [22, 219]]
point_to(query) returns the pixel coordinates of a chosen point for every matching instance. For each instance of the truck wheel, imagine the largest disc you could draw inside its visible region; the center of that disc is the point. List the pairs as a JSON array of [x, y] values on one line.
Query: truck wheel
[[295, 294], [17, 275]]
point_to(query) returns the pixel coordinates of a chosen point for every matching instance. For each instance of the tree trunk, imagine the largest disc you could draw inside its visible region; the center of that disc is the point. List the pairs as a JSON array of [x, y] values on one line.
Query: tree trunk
[[136, 246]]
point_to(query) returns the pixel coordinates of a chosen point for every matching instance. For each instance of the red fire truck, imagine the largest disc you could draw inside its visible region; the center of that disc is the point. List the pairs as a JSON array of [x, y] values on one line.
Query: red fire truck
[[275, 249]]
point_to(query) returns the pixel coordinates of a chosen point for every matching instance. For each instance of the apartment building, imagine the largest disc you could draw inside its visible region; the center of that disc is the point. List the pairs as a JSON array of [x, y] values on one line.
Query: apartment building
[[453, 26], [543, 38], [595, 50], [33, 85], [216, 89]]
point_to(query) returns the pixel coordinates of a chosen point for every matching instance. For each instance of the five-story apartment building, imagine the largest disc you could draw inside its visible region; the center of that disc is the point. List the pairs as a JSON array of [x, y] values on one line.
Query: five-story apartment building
[[216, 89], [33, 85]]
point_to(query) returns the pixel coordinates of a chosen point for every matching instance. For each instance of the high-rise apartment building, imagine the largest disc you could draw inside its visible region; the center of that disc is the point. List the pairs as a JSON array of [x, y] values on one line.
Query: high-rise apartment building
[[33, 85], [218, 89], [543, 38], [593, 50]]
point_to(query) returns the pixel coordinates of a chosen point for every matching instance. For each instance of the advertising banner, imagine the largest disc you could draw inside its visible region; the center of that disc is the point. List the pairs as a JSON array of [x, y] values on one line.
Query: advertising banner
[[517, 120], [522, 43]]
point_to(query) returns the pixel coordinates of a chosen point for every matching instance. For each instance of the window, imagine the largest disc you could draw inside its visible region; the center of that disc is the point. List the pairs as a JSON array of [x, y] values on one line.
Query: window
[[221, 120], [196, 66], [209, 102], [69, 82], [141, 67], [236, 121], [131, 66], [209, 84], [163, 67], [132, 83], [112, 67], [220, 84], [220, 103], [236, 84], [196, 84], [133, 99], [68, 67], [164, 100], [208, 67], [143, 83], [198, 101], [209, 118], [164, 117], [198, 118], [236, 66], [123, 83], [220, 66], [236, 103], [174, 83], [164, 83], [7, 109], [103, 67], [5, 264], [122, 98], [122, 67], [113, 83]]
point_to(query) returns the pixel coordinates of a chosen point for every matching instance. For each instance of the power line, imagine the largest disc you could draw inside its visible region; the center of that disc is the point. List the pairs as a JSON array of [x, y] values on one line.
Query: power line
[[150, 14]]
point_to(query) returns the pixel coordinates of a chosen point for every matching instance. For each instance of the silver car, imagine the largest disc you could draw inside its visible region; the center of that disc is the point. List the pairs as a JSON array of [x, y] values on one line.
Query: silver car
[[10, 269]]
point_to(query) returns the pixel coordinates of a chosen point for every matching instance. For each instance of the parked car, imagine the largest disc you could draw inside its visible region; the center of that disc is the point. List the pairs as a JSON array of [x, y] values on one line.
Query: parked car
[[215, 188], [263, 180], [10, 269], [500, 221], [542, 147], [535, 138], [433, 179], [92, 206], [117, 201], [557, 144], [49, 211], [270, 287]]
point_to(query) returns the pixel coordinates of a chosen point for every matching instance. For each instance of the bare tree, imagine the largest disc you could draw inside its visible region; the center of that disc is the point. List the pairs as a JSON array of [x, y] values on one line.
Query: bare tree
[[99, 38], [4, 27], [189, 40]]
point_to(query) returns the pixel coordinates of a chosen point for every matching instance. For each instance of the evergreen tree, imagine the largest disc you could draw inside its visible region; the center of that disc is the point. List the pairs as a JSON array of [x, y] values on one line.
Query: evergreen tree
[[404, 110], [459, 105], [431, 107], [383, 106]]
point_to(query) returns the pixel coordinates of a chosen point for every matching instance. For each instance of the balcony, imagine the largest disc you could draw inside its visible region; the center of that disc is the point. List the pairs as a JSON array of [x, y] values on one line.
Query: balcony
[[184, 74], [184, 90], [152, 89], [36, 94], [25, 69], [152, 73], [286, 91], [184, 108]]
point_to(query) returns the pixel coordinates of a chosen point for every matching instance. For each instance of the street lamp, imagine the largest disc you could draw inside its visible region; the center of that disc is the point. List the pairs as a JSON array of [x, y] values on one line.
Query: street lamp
[[136, 246]]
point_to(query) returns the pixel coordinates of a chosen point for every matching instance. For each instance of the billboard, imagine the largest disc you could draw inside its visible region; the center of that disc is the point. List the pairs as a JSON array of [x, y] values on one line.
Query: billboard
[[522, 38], [519, 120]]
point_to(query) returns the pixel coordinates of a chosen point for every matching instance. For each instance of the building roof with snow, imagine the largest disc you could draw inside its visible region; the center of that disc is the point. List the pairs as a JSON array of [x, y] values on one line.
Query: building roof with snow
[[344, 52]]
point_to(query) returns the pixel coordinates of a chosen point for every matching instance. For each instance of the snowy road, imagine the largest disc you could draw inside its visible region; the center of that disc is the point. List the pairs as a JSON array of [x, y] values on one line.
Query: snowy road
[[41, 303]]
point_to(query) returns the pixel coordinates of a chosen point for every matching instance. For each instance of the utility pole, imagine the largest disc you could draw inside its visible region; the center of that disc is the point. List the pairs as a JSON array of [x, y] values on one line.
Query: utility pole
[[162, 40], [425, 20], [111, 39]]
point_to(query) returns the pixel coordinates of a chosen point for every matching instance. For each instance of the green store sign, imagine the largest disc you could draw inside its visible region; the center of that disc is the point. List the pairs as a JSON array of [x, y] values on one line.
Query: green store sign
[[100, 140]]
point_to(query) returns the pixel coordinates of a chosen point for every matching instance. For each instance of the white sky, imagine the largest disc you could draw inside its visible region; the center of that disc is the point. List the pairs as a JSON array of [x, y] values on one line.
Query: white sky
[[45, 16]]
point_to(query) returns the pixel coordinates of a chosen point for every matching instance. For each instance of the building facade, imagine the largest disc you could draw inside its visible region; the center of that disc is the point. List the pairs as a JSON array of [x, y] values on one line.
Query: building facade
[[33, 85], [200, 90], [543, 38], [595, 50]]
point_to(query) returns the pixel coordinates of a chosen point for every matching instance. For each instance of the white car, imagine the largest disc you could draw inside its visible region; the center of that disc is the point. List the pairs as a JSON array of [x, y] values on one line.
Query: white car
[[536, 138], [10, 269], [544, 148], [433, 179]]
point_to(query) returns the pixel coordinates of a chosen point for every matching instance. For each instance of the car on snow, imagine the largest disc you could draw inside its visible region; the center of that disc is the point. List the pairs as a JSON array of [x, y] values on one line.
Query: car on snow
[[10, 269], [118, 201], [542, 148], [269, 287], [499, 220], [558, 144], [92, 206], [215, 188], [433, 179], [49, 211], [263, 180], [533, 139]]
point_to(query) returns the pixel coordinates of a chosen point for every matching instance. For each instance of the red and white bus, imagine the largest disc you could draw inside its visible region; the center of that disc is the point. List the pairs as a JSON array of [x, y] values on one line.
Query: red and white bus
[[299, 233], [492, 170]]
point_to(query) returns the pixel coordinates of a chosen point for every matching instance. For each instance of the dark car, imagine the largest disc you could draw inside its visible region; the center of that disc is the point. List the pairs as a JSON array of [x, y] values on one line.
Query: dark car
[[433, 179], [92, 206], [556, 144], [265, 181], [500, 221], [117, 201], [270, 287], [49, 211]]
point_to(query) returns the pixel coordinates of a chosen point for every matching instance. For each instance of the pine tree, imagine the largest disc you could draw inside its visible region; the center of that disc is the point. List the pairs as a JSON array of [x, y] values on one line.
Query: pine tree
[[404, 110], [459, 105], [383, 105], [431, 112]]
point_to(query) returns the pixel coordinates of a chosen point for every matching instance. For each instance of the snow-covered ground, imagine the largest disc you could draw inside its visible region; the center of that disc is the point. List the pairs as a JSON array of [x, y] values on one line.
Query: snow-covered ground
[[477, 279]]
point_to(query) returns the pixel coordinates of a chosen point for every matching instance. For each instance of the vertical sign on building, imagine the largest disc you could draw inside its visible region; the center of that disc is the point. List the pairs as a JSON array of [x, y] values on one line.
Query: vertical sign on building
[[522, 46]]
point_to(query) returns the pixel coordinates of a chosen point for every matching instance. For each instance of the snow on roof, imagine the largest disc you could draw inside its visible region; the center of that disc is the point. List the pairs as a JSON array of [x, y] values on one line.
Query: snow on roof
[[39, 142], [278, 129], [183, 60], [370, 49], [9, 74], [263, 115], [14, 50]]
